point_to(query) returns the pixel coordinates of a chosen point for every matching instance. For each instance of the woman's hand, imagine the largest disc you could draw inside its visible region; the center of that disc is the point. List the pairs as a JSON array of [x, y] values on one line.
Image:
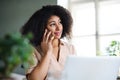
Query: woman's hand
[[46, 44]]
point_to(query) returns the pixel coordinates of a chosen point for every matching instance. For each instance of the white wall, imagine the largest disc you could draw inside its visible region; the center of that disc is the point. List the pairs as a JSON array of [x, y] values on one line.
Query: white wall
[[63, 3]]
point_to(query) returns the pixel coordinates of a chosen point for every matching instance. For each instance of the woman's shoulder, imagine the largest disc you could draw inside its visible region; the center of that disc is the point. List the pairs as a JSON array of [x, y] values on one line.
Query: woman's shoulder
[[67, 43], [69, 46]]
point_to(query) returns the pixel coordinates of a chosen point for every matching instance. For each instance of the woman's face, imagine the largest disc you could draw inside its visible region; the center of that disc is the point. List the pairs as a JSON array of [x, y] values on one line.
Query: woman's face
[[54, 25]]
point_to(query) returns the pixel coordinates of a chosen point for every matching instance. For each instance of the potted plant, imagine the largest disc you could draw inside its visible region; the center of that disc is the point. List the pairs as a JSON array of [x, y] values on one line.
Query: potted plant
[[15, 49], [114, 48]]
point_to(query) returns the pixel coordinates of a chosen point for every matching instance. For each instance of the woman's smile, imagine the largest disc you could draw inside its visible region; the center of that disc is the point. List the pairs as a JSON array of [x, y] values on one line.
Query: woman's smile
[[57, 33]]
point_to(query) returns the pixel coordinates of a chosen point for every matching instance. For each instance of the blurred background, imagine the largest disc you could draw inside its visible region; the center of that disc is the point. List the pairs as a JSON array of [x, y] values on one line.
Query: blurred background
[[96, 24], [14, 13]]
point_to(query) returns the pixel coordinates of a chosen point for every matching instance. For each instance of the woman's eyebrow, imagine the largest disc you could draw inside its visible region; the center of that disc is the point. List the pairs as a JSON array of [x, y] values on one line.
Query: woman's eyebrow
[[51, 22]]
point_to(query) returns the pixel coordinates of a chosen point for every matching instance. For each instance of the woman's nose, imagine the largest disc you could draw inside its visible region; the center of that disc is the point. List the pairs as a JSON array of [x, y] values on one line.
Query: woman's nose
[[58, 27]]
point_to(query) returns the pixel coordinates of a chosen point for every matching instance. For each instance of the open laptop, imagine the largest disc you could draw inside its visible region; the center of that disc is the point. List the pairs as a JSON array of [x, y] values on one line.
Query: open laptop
[[91, 68]]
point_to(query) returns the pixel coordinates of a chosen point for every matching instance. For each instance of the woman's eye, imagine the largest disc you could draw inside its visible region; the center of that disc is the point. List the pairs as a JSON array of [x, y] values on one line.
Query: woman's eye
[[52, 25]]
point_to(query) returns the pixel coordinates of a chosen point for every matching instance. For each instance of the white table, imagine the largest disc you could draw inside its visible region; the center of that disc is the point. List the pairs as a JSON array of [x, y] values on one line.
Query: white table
[[18, 76]]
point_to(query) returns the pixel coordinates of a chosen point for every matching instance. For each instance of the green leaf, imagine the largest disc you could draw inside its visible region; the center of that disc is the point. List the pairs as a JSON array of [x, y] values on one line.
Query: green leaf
[[15, 49]]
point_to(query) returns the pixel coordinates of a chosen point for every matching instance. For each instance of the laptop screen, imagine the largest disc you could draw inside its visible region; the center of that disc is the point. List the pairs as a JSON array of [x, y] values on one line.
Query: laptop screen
[[91, 68]]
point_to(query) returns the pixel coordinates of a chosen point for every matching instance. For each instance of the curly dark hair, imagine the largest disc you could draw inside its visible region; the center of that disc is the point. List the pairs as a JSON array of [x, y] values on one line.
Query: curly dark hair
[[38, 22]]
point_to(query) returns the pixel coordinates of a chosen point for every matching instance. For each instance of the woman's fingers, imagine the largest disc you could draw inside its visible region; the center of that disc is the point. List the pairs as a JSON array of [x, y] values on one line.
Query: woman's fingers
[[47, 40], [51, 38], [44, 36], [48, 36]]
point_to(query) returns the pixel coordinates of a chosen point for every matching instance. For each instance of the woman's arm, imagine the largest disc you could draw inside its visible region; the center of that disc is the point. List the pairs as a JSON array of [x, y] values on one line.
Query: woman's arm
[[40, 71]]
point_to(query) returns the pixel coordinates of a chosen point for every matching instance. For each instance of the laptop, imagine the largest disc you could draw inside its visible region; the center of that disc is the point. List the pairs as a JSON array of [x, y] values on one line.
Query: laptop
[[91, 68]]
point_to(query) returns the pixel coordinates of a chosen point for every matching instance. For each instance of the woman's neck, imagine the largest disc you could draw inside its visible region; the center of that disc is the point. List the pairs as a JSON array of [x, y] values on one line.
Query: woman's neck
[[55, 42]]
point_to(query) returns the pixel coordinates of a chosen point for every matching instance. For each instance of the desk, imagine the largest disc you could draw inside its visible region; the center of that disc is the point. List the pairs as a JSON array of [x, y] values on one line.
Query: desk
[[22, 77], [18, 76]]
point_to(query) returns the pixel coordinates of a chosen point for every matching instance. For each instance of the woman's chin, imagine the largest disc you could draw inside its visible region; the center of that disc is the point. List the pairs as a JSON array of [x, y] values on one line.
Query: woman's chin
[[57, 37]]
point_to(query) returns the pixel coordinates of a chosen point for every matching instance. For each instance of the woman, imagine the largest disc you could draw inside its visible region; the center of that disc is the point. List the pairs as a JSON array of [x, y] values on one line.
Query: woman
[[49, 25]]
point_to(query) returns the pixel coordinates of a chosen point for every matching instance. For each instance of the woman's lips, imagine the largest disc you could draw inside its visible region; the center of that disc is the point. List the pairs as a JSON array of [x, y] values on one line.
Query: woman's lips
[[57, 33]]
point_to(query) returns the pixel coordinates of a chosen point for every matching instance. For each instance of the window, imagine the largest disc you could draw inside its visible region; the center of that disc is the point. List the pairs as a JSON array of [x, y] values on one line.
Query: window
[[96, 23]]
